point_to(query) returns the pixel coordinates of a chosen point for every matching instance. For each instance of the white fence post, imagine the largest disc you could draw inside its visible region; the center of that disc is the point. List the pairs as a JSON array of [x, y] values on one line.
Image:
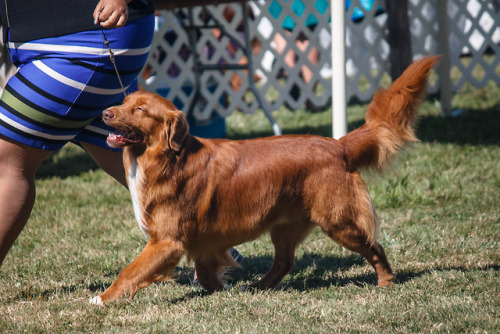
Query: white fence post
[[339, 109]]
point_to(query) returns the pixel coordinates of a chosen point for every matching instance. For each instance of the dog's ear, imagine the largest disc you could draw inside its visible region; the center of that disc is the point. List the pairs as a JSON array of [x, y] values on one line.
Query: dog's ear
[[177, 130]]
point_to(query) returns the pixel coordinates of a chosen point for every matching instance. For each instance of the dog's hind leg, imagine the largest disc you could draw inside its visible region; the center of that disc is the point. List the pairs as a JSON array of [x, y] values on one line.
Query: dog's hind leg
[[207, 276], [155, 263], [210, 270], [286, 238], [353, 239], [356, 228]]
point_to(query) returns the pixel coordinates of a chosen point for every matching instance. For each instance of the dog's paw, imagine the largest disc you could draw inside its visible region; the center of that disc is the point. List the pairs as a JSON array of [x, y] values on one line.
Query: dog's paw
[[96, 301]]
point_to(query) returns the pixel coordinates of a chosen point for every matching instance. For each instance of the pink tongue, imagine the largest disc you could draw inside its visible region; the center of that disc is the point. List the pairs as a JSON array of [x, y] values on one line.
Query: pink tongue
[[115, 138], [120, 138]]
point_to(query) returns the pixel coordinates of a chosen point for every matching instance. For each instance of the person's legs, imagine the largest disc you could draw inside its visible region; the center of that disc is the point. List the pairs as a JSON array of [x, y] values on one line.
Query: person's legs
[[18, 165], [51, 100]]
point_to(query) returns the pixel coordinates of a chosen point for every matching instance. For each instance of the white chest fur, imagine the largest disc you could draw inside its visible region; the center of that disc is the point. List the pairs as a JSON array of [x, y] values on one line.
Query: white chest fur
[[135, 187]]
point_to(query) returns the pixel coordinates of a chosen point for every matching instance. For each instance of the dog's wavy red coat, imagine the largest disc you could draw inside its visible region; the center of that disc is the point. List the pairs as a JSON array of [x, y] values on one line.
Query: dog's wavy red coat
[[200, 197]]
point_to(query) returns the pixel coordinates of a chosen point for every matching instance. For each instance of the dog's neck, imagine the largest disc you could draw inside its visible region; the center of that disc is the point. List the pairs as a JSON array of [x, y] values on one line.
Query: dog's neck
[[150, 160], [135, 150]]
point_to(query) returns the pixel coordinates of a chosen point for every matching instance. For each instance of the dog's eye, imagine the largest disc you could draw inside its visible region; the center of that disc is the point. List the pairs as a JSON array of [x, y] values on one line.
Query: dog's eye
[[139, 109]]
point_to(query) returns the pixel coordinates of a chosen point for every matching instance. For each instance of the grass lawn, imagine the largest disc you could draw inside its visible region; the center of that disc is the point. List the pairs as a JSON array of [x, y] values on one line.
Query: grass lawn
[[439, 207]]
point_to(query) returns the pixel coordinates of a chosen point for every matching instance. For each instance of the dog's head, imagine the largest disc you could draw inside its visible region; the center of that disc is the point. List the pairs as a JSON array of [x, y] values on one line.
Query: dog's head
[[146, 119]]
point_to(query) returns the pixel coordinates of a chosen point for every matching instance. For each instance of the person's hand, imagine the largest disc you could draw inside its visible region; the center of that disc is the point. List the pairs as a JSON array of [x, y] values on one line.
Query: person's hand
[[111, 13]]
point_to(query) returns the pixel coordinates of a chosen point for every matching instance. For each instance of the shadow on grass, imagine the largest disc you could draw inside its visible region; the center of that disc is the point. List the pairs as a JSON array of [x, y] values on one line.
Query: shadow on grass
[[307, 275], [31, 293], [303, 278], [474, 127]]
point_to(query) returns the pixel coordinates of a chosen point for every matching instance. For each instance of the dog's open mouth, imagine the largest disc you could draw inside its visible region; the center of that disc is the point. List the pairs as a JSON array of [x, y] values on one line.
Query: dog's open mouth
[[123, 138]]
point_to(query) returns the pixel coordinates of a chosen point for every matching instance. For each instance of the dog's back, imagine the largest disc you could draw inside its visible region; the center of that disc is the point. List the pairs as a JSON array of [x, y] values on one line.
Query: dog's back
[[243, 187]]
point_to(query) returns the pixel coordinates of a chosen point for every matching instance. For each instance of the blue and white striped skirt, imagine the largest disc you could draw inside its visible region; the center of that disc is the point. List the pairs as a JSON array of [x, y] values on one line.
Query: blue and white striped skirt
[[63, 84]]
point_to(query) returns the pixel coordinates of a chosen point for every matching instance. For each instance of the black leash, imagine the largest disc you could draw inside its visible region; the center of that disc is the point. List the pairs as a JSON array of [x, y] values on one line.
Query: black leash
[[112, 57]]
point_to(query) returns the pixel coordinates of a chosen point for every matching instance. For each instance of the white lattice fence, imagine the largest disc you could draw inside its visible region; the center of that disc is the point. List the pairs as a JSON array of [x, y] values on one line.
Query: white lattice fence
[[367, 49], [292, 57], [171, 67], [475, 31], [295, 54], [282, 57]]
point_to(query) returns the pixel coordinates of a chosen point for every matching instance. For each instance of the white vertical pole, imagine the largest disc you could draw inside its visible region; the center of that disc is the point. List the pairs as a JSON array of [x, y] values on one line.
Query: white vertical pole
[[339, 110]]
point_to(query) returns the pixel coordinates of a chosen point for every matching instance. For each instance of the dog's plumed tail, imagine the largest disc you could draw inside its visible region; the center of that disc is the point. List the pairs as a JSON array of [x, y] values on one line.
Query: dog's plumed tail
[[390, 119]]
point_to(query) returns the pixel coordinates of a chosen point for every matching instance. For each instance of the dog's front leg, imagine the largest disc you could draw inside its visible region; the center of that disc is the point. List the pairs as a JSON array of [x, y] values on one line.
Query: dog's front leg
[[155, 263]]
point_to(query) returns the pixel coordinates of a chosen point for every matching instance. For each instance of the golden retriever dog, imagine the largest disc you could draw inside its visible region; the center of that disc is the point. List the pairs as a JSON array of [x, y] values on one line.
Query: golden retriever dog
[[200, 197]]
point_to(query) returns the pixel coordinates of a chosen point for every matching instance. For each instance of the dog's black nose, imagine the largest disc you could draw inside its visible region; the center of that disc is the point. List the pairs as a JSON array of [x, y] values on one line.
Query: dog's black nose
[[107, 114]]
